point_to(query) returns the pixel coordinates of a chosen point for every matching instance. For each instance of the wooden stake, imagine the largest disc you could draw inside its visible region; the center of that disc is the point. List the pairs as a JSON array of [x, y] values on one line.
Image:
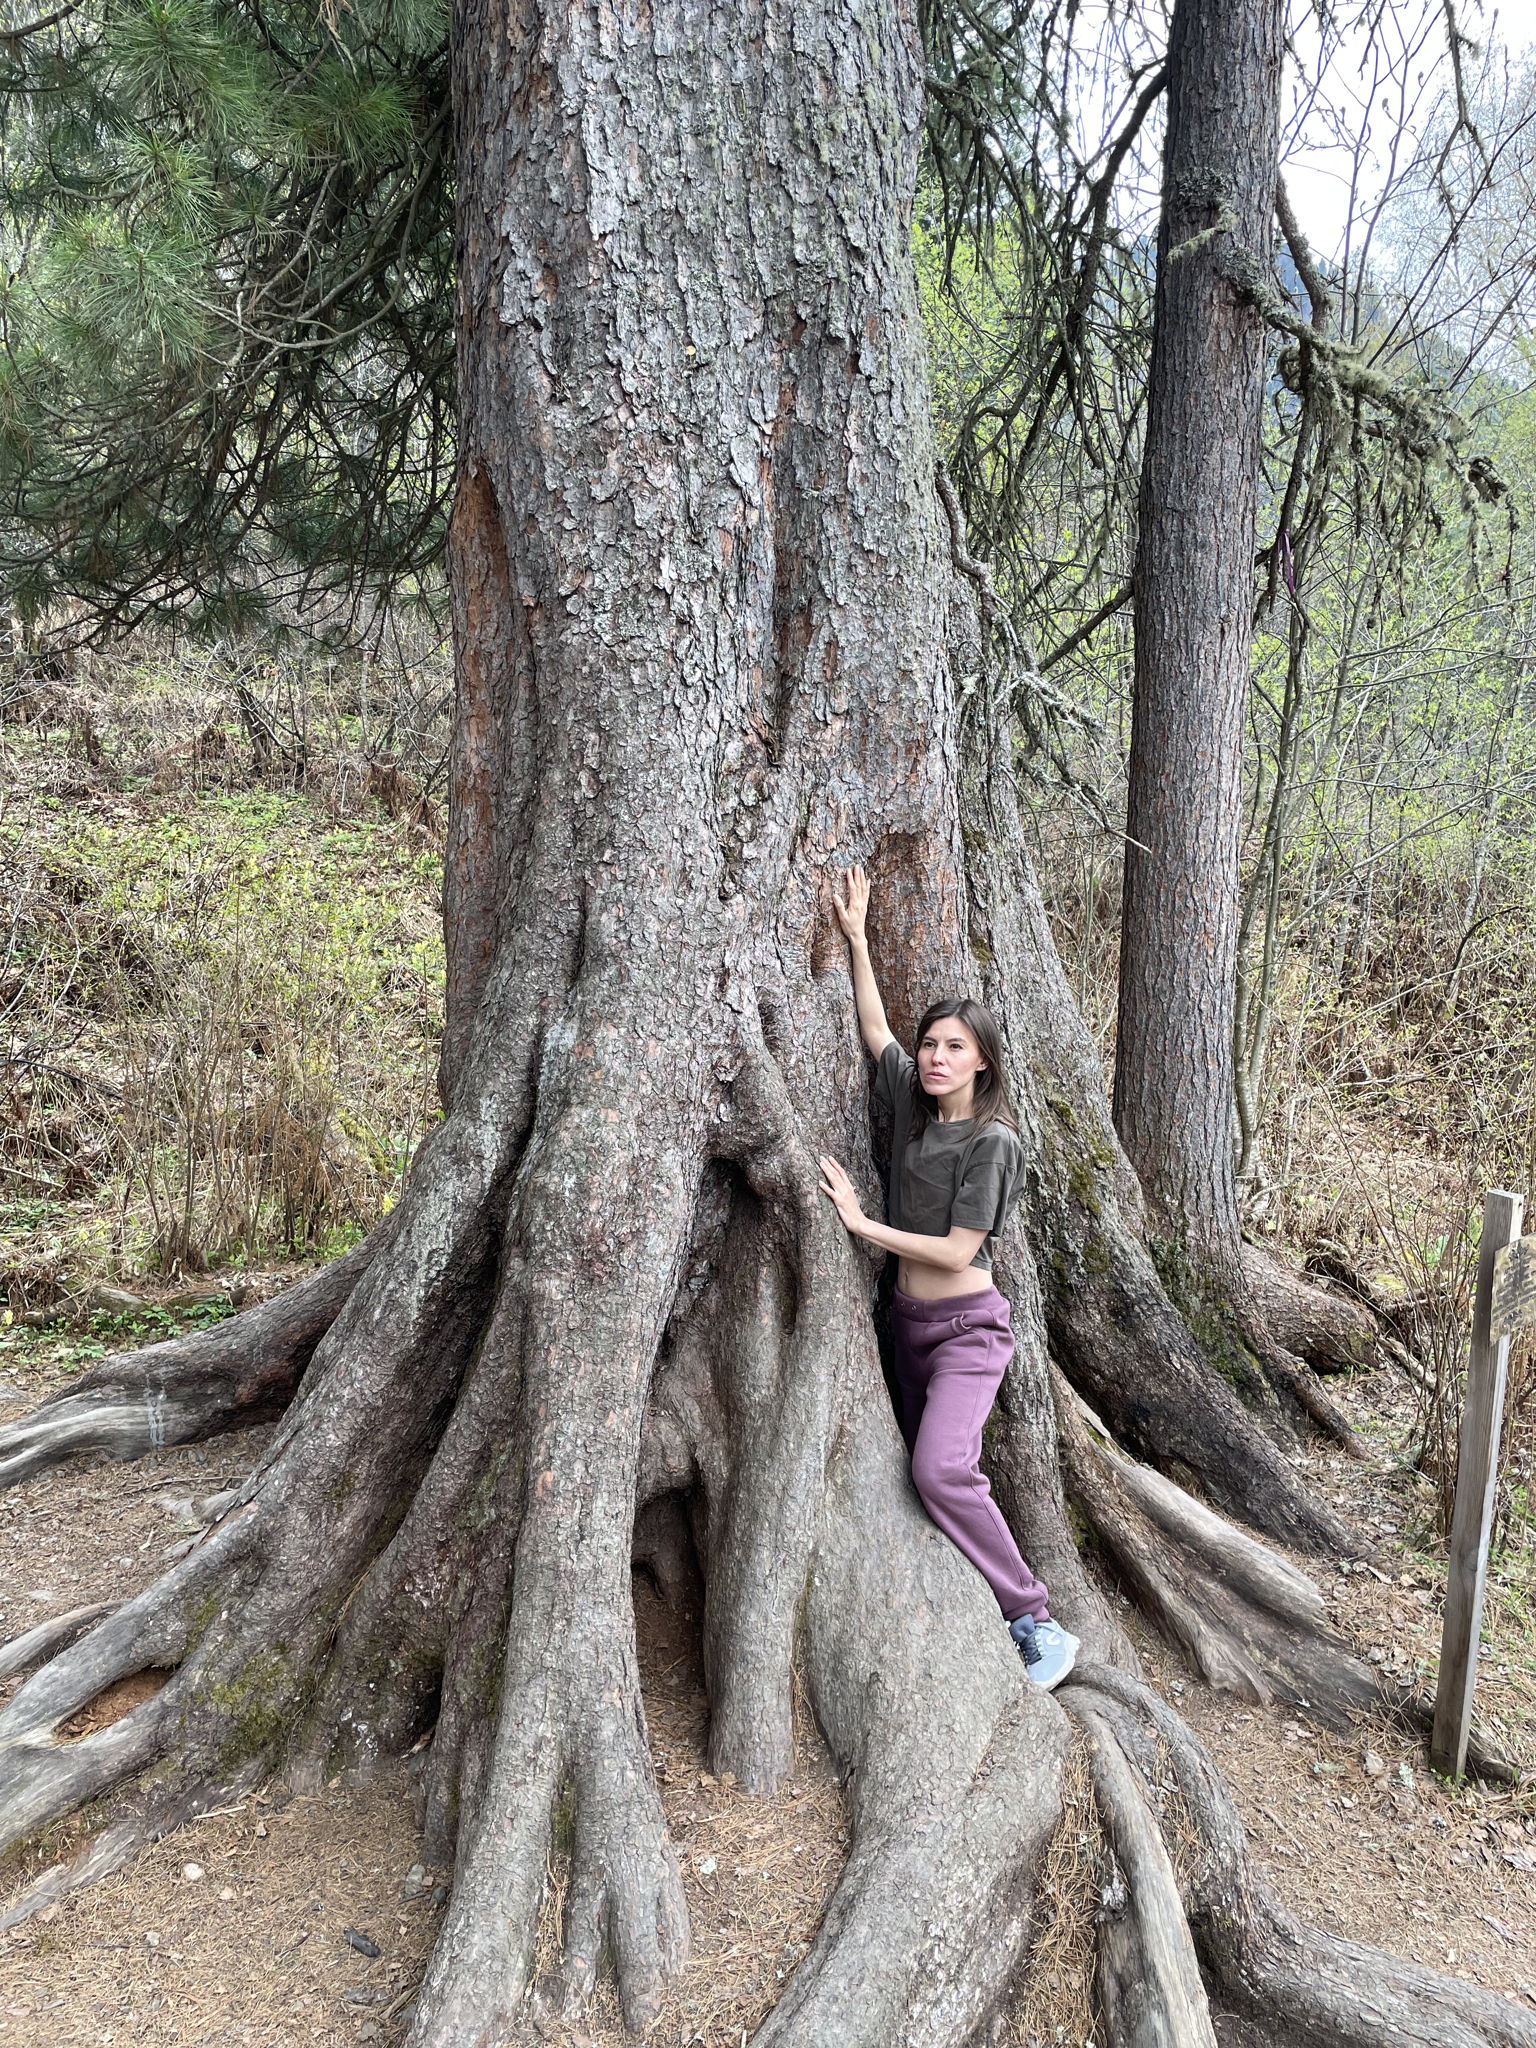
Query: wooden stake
[[1472, 1521]]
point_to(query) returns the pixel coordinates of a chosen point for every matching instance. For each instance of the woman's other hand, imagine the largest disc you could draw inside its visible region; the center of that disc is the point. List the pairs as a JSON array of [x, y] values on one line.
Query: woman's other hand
[[844, 1197], [852, 907]]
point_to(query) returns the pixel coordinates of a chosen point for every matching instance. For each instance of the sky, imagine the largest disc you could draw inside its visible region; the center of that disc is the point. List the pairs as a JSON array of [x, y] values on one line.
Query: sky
[[1342, 119]]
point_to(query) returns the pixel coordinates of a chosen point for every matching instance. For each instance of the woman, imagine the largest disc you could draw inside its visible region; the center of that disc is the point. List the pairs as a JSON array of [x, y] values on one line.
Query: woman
[[956, 1167]]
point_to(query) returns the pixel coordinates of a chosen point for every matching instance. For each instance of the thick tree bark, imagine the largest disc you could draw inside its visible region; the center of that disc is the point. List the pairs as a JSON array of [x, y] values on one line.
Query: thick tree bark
[[1332, 1332], [1194, 606], [702, 590]]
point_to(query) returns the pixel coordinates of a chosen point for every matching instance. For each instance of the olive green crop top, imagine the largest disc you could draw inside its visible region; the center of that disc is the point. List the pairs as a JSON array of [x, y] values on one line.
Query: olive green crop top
[[950, 1176]]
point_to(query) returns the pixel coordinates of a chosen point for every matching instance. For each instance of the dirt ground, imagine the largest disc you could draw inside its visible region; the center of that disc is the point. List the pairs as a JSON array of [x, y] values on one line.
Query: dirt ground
[[259, 1924], [236, 1929]]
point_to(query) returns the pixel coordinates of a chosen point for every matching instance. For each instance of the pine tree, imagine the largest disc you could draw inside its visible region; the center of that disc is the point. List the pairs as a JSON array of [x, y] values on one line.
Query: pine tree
[[228, 374]]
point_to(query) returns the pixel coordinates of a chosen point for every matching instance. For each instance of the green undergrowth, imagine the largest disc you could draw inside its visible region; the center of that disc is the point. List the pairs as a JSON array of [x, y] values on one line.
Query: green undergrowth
[[223, 1004], [33, 1356]]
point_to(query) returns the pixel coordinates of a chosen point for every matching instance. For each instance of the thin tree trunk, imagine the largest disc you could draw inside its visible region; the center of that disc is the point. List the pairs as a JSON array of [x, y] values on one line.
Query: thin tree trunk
[[1194, 604]]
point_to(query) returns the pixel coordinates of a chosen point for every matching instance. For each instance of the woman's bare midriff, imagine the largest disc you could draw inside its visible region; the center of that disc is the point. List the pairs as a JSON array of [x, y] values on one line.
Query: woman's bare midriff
[[938, 1283]]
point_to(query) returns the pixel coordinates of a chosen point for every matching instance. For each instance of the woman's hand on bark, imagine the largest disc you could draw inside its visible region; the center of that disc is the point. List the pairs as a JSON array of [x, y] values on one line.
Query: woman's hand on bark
[[844, 1196], [852, 907]]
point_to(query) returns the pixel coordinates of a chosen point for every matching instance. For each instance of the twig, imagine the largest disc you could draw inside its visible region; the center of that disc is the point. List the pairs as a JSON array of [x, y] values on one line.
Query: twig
[[1074, 640], [32, 28], [24, 1059]]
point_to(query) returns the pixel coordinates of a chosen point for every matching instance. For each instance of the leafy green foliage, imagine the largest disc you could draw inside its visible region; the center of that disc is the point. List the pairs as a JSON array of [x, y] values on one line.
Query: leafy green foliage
[[227, 378]]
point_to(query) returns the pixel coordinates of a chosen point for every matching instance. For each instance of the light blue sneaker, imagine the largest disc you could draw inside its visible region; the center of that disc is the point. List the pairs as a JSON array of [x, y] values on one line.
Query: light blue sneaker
[[1048, 1651]]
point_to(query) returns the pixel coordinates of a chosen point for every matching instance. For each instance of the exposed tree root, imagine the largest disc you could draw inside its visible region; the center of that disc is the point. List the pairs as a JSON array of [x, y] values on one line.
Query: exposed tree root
[[1249, 1622], [278, 1567], [569, 1761], [1301, 1392], [569, 1767], [952, 1760], [1484, 1757], [1148, 1975], [953, 1764], [794, 1303], [1329, 1330], [1295, 1984], [117, 1845], [1171, 1408], [38, 1644], [232, 1376]]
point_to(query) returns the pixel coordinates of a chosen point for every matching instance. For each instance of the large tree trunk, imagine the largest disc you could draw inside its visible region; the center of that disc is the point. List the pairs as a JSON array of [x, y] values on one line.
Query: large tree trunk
[[703, 588], [1174, 1100]]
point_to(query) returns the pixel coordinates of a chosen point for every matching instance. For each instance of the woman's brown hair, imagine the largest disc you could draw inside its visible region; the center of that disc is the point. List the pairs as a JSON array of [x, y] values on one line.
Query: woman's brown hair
[[993, 1104]]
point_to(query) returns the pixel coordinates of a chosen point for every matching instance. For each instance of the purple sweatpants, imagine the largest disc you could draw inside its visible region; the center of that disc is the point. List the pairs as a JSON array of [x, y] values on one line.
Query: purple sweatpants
[[950, 1360]]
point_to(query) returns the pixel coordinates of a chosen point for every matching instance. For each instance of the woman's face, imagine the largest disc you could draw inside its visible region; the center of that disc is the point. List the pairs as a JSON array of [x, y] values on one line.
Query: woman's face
[[949, 1059]]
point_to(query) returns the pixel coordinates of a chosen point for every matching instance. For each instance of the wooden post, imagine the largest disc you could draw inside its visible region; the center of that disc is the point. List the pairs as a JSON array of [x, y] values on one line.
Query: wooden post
[[1472, 1521]]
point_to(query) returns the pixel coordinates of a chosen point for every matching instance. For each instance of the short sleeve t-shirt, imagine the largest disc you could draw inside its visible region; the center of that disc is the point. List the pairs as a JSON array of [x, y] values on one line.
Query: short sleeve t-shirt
[[949, 1176]]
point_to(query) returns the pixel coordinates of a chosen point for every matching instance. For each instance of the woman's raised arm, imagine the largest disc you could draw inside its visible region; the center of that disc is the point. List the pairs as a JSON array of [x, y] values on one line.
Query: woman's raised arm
[[851, 914]]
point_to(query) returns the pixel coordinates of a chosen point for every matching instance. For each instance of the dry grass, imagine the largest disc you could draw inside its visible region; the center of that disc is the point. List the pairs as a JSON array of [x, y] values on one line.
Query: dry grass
[[221, 995], [217, 718]]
